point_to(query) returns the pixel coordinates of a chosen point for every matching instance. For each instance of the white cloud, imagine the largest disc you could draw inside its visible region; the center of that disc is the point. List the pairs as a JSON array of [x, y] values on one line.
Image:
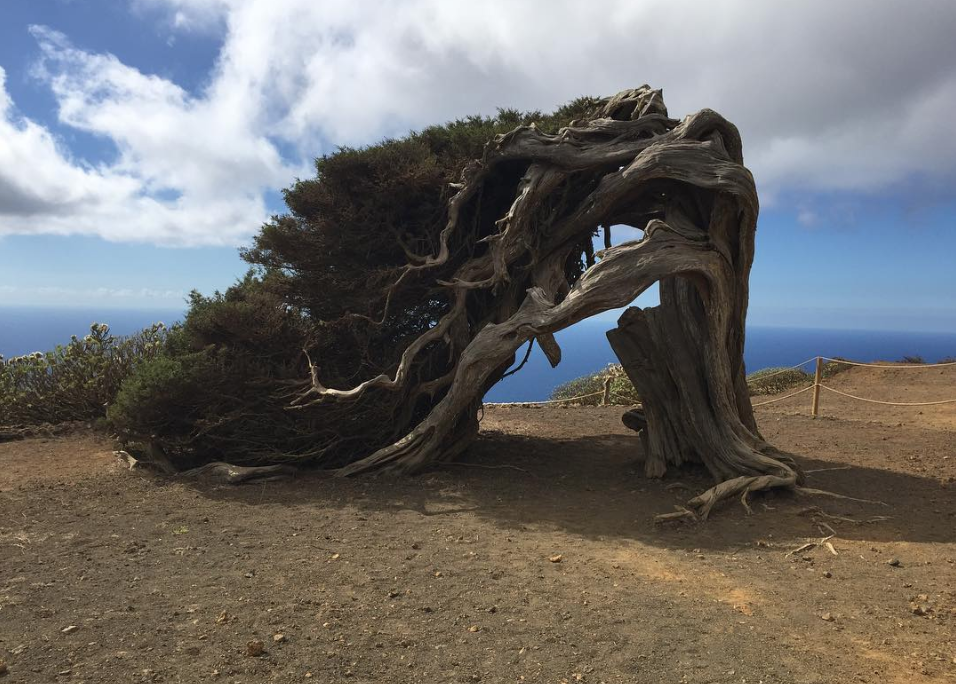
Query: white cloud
[[188, 171], [59, 294], [848, 97]]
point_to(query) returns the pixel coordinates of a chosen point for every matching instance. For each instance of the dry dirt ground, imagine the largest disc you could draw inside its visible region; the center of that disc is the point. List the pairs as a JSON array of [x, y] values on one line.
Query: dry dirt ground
[[534, 560]]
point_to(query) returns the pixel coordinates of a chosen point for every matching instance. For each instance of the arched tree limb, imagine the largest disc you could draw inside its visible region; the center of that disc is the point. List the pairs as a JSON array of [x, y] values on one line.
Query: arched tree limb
[[684, 184]]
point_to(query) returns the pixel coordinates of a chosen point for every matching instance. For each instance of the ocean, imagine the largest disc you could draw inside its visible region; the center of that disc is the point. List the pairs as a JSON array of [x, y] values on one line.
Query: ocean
[[585, 348]]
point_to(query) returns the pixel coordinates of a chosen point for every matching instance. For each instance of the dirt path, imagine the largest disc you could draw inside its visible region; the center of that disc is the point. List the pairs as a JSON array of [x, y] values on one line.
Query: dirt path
[[449, 577]]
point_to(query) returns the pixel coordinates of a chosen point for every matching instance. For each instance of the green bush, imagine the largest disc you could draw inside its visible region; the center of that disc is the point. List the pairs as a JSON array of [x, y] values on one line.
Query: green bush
[[622, 391], [216, 393], [76, 381], [143, 404], [775, 380]]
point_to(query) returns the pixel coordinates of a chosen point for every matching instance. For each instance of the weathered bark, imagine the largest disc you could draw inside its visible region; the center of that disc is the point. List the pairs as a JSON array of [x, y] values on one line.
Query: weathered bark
[[227, 473], [684, 184]]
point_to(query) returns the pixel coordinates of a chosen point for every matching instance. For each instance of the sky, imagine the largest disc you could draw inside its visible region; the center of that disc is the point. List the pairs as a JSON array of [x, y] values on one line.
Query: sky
[[143, 141]]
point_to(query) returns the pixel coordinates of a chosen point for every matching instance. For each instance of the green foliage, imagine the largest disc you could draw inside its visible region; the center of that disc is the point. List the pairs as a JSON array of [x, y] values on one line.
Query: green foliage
[[622, 391], [215, 389], [777, 379], [75, 381]]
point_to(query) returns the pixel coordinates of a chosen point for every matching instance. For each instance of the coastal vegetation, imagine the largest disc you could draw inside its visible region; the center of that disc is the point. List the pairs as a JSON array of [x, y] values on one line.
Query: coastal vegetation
[[75, 381]]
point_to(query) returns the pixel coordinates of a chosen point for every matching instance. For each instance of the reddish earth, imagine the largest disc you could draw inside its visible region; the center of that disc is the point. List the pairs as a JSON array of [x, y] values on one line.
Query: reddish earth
[[449, 577]]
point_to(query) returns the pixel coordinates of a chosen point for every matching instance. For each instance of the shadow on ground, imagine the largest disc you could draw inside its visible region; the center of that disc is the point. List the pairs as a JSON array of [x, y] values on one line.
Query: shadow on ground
[[592, 486]]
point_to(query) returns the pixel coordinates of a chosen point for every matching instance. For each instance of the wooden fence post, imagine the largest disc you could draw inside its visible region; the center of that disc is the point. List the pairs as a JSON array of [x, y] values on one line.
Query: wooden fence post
[[606, 399], [817, 376]]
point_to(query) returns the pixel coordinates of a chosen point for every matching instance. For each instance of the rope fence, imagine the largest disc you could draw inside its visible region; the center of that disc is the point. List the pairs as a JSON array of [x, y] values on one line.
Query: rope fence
[[816, 386], [889, 403], [906, 366], [774, 401], [549, 401]]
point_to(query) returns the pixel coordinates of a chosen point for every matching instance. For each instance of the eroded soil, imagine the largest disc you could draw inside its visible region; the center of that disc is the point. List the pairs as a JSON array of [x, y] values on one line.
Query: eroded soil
[[534, 560]]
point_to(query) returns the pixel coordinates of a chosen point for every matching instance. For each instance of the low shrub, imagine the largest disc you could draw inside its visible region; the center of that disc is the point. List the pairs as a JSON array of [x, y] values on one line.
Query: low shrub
[[622, 391], [76, 381]]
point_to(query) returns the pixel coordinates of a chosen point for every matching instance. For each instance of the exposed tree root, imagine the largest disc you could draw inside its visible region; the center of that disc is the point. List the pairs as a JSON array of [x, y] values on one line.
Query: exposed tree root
[[700, 507], [738, 486], [808, 491], [816, 512], [488, 467], [226, 473]]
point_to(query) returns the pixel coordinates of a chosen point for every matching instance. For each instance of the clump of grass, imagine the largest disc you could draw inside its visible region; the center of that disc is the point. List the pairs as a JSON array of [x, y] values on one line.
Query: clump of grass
[[913, 359]]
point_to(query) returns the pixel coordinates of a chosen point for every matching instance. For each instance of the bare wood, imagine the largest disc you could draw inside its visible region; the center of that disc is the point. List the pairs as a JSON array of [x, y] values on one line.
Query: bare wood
[[606, 398], [226, 473], [799, 549]]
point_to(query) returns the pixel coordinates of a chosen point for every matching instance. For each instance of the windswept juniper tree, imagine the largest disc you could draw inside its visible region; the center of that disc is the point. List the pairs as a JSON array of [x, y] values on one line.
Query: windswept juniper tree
[[408, 275]]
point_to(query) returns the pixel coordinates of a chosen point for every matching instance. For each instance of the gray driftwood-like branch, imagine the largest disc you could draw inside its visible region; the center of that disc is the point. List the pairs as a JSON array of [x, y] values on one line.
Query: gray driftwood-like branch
[[683, 183]]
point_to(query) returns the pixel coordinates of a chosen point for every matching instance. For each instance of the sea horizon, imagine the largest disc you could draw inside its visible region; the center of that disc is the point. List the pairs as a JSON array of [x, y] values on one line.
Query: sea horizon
[[585, 348]]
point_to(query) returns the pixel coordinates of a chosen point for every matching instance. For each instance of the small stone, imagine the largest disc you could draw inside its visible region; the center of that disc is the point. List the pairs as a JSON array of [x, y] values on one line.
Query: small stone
[[557, 558], [70, 629], [279, 638], [895, 562], [474, 628], [827, 574], [920, 609], [255, 648], [223, 618], [438, 573], [3, 668], [335, 556], [826, 617]]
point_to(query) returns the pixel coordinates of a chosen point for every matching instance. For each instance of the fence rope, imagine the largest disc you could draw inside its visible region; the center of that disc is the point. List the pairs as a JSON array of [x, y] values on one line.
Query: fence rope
[[549, 401], [888, 403], [783, 398], [908, 366], [773, 401], [623, 398]]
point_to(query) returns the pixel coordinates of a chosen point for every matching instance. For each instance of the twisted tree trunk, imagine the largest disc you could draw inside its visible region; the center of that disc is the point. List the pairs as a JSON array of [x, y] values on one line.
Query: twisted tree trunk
[[682, 183]]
